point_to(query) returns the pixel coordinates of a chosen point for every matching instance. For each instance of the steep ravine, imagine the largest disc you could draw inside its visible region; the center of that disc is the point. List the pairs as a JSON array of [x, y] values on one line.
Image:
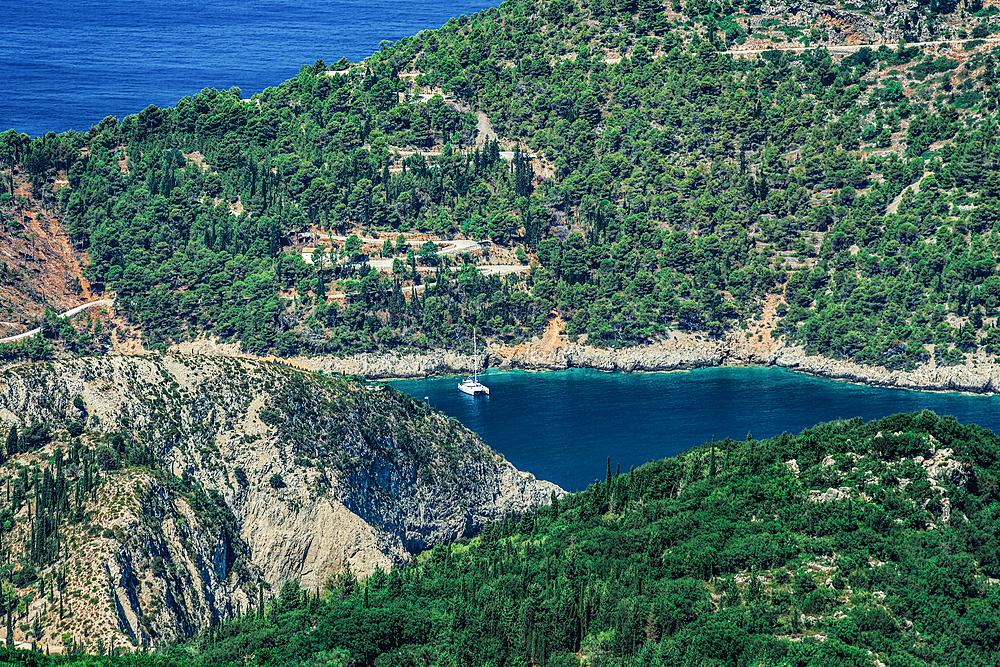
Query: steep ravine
[[259, 475]]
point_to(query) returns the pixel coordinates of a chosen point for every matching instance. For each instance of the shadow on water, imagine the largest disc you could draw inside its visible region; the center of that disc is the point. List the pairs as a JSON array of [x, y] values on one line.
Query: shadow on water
[[563, 426]]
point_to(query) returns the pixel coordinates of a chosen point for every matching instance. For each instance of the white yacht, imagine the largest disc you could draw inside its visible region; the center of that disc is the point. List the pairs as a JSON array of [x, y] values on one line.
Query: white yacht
[[471, 385]]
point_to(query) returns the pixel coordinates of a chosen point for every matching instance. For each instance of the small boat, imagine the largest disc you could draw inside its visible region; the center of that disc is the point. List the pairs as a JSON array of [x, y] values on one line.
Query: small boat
[[471, 385]]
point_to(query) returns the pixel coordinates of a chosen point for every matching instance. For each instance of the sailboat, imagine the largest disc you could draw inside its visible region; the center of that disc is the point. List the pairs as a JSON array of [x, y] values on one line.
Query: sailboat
[[471, 385]]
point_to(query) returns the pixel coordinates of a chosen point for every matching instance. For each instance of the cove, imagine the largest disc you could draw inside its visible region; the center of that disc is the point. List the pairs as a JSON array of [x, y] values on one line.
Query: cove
[[562, 426]]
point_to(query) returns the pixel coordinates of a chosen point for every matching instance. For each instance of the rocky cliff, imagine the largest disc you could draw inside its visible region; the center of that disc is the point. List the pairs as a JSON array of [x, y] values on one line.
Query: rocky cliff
[[878, 22], [677, 352], [221, 479]]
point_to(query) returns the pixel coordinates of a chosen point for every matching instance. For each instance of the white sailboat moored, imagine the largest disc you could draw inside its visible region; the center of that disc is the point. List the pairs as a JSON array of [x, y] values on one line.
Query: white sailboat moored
[[471, 385]]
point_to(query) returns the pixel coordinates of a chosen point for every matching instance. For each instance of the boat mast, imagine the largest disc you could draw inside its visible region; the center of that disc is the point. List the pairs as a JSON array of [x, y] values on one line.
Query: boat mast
[[475, 357]]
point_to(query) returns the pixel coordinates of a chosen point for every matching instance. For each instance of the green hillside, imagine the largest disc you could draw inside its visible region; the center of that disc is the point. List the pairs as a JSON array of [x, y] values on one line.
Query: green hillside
[[850, 544], [676, 186]]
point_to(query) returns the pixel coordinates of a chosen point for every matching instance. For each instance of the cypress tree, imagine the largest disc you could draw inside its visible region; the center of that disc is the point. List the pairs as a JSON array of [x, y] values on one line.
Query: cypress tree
[[11, 447], [711, 464]]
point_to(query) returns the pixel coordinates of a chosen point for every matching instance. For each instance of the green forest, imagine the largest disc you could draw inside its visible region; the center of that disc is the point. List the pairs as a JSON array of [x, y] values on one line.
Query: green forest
[[685, 188], [733, 553], [648, 182]]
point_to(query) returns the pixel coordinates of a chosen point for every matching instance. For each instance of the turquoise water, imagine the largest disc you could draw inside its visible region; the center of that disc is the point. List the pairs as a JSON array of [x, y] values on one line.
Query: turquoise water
[[563, 426]]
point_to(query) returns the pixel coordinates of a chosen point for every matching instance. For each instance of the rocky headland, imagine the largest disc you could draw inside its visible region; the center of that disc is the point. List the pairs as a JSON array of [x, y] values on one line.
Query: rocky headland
[[221, 479]]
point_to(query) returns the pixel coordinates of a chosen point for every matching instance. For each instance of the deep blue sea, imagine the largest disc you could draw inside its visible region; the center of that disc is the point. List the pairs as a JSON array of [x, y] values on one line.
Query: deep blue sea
[[66, 64], [563, 426]]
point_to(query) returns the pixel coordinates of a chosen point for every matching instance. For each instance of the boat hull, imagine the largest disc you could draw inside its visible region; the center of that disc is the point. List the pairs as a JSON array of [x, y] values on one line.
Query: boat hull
[[473, 389]]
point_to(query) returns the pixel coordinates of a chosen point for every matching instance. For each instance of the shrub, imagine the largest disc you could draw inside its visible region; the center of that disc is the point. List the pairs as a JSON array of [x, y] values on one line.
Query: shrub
[[270, 416], [36, 435], [24, 577]]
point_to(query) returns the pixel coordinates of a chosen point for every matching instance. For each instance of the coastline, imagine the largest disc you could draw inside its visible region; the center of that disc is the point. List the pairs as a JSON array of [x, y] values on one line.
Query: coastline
[[679, 352]]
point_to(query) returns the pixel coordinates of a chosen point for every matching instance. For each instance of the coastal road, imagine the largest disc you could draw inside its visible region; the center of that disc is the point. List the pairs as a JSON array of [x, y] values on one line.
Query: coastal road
[[69, 313], [502, 269], [453, 247]]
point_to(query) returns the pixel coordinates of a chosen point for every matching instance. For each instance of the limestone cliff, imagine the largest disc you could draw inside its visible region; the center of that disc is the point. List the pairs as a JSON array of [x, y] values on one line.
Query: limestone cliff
[[252, 474], [678, 351]]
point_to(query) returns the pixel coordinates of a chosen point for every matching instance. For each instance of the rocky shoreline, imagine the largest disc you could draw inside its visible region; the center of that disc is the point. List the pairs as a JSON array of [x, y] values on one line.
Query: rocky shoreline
[[677, 353]]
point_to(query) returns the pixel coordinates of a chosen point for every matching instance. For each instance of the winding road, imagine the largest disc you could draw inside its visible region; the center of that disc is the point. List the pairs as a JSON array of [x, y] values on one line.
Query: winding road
[[454, 248], [69, 313]]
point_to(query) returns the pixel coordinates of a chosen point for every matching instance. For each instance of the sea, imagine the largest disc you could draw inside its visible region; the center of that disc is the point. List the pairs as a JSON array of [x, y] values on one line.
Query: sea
[[66, 64], [563, 426]]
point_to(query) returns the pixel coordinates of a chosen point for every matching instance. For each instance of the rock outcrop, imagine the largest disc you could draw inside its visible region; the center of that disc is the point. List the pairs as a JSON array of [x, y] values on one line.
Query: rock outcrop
[[981, 378], [678, 352], [881, 23], [255, 475]]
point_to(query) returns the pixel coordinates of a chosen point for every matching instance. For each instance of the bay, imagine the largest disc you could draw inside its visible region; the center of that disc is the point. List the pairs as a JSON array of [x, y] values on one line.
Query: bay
[[69, 63], [563, 426]]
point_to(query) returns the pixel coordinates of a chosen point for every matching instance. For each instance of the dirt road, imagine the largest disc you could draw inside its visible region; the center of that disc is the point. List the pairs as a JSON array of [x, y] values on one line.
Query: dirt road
[[69, 313]]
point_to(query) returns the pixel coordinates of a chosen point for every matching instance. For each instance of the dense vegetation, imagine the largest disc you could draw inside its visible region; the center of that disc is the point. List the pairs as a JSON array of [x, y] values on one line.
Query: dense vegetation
[[686, 186], [725, 555]]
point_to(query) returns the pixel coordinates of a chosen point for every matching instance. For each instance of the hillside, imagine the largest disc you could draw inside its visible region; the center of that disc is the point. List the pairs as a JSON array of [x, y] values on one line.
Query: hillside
[[849, 544], [652, 168], [858, 544], [39, 267], [151, 497]]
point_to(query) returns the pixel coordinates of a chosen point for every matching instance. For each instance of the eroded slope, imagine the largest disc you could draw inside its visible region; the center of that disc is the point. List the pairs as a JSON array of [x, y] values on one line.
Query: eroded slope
[[196, 486]]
